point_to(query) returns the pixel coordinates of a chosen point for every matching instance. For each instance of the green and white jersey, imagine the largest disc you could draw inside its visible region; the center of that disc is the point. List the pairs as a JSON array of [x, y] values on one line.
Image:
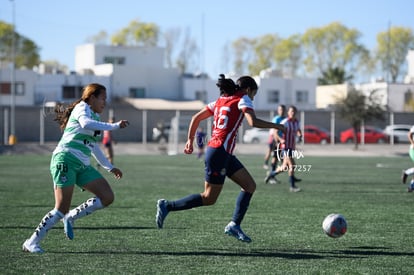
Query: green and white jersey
[[82, 133]]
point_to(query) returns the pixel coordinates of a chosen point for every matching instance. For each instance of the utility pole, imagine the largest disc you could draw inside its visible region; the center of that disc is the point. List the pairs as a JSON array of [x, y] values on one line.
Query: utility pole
[[12, 137]]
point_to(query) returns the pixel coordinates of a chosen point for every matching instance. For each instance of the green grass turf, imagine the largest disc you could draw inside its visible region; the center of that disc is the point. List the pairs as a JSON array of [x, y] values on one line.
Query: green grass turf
[[285, 227]]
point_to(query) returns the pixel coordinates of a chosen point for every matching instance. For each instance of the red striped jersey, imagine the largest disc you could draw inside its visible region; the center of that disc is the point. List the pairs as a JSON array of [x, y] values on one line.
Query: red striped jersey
[[228, 114]]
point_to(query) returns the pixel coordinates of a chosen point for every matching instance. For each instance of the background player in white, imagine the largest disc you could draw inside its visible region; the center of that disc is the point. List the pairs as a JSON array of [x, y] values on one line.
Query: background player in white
[[70, 163], [229, 110], [409, 171]]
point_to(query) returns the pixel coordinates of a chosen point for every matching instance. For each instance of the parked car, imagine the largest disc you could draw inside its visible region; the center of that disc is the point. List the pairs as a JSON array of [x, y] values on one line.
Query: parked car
[[399, 132], [372, 135], [312, 134], [256, 135], [315, 134]]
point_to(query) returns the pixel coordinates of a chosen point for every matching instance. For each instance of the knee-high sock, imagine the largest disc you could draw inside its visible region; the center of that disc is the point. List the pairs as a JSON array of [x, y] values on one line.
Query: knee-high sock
[[188, 202], [85, 208], [48, 221], [292, 181], [242, 203], [410, 171]]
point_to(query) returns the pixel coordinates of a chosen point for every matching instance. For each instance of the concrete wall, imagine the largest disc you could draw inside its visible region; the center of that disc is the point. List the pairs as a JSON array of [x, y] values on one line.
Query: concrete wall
[[28, 121]]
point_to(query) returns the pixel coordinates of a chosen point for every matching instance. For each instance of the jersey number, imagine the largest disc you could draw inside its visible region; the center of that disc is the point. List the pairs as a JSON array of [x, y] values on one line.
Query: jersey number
[[222, 119]]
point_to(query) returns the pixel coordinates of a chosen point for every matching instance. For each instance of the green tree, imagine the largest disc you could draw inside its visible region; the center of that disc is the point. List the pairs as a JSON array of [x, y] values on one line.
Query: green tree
[[171, 37], [357, 108], [392, 49], [26, 51], [263, 48], [243, 53], [288, 54], [333, 76], [186, 59], [100, 38], [137, 33], [333, 46]]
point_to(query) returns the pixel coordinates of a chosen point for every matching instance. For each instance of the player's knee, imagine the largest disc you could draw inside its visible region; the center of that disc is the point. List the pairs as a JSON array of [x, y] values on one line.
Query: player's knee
[[251, 188], [107, 199], [207, 200]]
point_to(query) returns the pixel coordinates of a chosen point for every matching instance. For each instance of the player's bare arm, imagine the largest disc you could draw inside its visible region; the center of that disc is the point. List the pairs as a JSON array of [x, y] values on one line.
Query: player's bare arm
[[253, 121]]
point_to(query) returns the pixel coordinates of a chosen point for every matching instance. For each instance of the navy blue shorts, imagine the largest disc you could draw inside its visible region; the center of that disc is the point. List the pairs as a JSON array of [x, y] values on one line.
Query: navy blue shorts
[[219, 164]]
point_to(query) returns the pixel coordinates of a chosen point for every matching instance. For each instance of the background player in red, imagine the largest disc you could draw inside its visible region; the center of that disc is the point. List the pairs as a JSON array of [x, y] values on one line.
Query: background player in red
[[229, 110], [288, 148]]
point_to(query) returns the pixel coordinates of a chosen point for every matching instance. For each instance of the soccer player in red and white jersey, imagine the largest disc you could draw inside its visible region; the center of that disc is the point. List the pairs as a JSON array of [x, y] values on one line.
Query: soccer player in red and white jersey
[[288, 147], [229, 110]]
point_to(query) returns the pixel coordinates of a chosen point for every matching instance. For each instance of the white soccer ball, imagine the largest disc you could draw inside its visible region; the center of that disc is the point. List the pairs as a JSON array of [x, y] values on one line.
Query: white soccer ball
[[334, 225]]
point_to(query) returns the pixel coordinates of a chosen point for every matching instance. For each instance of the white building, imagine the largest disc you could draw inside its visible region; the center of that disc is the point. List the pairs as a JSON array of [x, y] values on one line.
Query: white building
[[139, 72]]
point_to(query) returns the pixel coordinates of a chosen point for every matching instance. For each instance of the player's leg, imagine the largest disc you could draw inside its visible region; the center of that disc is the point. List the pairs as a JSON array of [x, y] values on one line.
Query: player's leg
[[239, 174], [292, 180], [215, 161], [91, 180], [63, 177]]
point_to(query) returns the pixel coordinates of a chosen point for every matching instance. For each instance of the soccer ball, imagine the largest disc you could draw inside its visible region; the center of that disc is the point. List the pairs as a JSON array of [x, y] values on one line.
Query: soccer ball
[[334, 225]]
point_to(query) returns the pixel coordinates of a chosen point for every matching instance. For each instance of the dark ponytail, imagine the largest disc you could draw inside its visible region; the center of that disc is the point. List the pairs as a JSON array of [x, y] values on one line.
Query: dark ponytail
[[226, 85]]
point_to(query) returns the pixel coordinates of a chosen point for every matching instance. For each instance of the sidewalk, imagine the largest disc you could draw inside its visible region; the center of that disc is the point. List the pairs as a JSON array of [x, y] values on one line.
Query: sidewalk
[[380, 150]]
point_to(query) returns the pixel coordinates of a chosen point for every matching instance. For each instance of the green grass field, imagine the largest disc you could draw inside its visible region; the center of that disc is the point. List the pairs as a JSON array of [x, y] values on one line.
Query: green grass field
[[285, 227]]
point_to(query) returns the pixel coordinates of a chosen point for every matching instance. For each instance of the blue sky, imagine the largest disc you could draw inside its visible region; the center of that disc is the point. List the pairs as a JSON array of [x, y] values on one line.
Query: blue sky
[[57, 27]]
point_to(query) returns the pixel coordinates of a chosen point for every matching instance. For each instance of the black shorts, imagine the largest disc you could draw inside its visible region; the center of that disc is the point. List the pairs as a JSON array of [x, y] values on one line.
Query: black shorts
[[219, 164]]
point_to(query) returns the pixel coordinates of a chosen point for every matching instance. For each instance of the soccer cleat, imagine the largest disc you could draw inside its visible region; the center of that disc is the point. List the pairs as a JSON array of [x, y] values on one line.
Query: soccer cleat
[[68, 227], [265, 166], [270, 175], [403, 177], [409, 190], [32, 248], [234, 230], [295, 189], [272, 181], [162, 212]]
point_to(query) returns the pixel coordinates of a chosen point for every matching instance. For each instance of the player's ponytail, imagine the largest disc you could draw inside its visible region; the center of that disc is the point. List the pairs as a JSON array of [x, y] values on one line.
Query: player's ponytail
[[226, 85], [63, 114]]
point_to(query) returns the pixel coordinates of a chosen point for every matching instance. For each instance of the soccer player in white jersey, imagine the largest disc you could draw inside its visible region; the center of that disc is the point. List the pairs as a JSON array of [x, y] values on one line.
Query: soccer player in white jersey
[[409, 171], [228, 111], [70, 164]]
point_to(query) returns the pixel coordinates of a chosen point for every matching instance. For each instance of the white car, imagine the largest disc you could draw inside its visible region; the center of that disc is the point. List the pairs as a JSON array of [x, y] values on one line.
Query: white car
[[399, 131], [256, 135]]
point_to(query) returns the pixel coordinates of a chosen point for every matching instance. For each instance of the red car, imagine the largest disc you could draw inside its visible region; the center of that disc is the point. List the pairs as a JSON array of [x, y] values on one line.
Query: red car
[[372, 135], [315, 134]]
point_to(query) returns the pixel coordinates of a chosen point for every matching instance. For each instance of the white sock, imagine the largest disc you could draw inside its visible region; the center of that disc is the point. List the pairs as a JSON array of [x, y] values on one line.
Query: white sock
[[48, 221], [85, 208], [409, 171]]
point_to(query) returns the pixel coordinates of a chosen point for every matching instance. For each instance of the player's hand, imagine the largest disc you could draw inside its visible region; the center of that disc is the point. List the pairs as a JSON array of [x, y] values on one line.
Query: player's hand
[[116, 172], [123, 123], [188, 149]]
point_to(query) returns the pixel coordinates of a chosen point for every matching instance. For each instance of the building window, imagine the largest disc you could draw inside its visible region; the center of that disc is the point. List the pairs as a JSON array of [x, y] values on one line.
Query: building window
[[71, 92], [273, 96], [5, 88], [116, 60], [135, 92], [302, 97], [201, 95], [408, 96]]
